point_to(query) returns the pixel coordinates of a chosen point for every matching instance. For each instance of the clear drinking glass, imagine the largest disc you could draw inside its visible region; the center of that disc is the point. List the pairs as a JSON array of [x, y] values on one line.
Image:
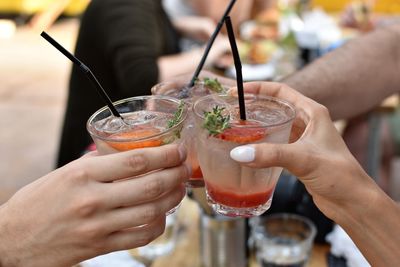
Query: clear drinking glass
[[234, 190], [174, 89], [282, 240], [147, 123]]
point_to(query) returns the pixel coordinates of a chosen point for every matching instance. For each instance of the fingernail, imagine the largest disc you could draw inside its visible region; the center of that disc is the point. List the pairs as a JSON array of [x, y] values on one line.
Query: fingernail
[[243, 154], [182, 151]]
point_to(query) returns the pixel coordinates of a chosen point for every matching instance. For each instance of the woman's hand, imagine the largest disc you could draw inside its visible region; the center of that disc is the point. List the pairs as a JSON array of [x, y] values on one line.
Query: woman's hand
[[316, 154], [92, 206]]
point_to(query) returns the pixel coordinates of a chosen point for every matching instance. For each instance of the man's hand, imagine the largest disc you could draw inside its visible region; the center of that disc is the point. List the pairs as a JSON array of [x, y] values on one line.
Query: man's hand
[[92, 206]]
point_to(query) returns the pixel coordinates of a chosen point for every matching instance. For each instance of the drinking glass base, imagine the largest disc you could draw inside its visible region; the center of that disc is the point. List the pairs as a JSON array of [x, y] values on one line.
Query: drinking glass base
[[195, 183], [174, 209], [238, 212]]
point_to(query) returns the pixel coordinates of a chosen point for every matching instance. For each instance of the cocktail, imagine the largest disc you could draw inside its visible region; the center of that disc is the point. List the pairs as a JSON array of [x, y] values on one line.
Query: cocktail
[[179, 90], [232, 189], [148, 121]]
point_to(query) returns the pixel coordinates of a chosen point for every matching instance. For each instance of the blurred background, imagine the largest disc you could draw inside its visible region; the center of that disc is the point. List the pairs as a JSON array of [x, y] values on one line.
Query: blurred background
[[277, 38]]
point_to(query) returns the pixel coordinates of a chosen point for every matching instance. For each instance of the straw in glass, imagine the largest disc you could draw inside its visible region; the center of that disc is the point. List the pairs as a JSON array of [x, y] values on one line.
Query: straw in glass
[[238, 67], [89, 74]]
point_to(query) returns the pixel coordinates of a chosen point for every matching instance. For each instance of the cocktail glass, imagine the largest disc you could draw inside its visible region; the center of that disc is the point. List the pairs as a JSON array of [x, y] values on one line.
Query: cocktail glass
[[148, 121], [282, 239], [232, 189], [201, 88]]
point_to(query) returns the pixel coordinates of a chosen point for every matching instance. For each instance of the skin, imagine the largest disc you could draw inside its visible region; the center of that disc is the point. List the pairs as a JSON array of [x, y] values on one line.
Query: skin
[[188, 61], [364, 71], [340, 188], [214, 9], [92, 206], [199, 27]]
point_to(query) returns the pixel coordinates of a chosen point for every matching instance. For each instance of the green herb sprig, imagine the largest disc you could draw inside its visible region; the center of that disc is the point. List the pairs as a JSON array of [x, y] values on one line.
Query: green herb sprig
[[177, 116], [214, 85], [215, 122], [173, 122]]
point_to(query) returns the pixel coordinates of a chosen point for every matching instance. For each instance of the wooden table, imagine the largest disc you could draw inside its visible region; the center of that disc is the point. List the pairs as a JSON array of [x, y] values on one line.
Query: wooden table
[[186, 253]]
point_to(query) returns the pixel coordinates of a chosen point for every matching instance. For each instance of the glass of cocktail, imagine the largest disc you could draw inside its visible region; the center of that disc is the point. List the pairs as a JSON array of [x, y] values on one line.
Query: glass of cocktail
[[234, 190], [148, 121], [201, 88]]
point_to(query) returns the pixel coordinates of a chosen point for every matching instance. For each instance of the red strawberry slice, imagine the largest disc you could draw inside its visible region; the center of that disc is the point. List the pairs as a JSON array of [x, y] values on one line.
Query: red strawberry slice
[[240, 134]]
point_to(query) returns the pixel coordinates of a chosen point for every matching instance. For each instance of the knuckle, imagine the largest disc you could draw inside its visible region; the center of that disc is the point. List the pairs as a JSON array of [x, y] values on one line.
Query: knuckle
[[145, 239], [90, 232], [151, 213], [87, 206], [171, 155], [138, 163], [278, 154], [77, 174], [184, 173], [158, 231], [321, 110], [154, 188]]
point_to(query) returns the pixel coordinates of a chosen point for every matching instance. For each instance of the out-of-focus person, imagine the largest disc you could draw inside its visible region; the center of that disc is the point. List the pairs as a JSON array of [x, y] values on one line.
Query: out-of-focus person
[[130, 46]]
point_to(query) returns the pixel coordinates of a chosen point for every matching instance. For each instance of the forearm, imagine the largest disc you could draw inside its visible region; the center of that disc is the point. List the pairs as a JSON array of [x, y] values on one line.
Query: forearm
[[215, 9], [356, 77], [174, 65], [373, 224]]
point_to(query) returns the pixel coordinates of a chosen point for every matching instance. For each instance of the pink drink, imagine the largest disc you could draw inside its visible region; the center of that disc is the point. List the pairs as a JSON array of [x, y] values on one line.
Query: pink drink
[[174, 89], [232, 189]]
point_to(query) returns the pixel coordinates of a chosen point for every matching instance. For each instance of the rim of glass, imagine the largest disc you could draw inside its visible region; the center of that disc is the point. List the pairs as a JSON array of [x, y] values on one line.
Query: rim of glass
[[285, 216], [121, 140], [274, 99]]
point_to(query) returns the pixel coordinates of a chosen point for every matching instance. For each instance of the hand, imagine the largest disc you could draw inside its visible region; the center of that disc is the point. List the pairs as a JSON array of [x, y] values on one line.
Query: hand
[[317, 155], [220, 47], [196, 27], [181, 81], [92, 206]]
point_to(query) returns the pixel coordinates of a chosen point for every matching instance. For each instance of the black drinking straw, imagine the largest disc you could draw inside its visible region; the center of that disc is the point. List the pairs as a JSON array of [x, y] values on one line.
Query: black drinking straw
[[238, 67], [85, 70], [210, 43]]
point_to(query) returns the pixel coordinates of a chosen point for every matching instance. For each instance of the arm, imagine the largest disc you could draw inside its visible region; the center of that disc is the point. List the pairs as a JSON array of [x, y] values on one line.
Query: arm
[[339, 186], [180, 64], [92, 206], [195, 27], [364, 71], [216, 8], [137, 55]]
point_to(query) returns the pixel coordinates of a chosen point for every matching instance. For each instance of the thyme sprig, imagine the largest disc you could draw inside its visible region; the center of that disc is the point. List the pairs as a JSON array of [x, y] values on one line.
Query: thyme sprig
[[215, 122], [177, 116], [214, 85]]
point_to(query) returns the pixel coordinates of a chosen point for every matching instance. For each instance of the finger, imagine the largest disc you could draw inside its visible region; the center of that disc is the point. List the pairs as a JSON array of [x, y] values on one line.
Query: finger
[[135, 237], [90, 154], [146, 188], [292, 157], [142, 214], [123, 165]]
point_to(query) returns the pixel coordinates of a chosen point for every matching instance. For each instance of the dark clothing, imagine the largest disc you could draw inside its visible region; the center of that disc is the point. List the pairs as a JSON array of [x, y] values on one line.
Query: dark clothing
[[120, 41]]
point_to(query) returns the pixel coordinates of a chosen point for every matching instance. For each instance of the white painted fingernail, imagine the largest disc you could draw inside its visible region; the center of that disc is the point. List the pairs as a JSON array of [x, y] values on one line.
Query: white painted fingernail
[[243, 154]]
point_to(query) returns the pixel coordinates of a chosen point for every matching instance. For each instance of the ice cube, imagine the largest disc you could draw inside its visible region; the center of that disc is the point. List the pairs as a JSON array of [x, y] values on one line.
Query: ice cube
[[110, 125]]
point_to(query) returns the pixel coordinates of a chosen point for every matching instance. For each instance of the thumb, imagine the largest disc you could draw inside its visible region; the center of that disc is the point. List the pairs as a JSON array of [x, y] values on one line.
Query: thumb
[[288, 156]]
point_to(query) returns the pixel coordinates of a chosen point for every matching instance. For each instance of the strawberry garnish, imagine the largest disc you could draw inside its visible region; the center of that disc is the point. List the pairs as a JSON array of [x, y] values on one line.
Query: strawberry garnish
[[239, 134]]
